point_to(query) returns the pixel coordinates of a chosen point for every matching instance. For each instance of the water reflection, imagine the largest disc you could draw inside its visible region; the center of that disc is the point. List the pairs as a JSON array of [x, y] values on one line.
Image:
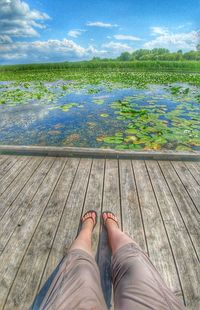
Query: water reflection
[[96, 117]]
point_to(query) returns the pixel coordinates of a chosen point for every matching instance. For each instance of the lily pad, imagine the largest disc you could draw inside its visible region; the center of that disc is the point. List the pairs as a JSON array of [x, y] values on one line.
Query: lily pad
[[131, 131], [98, 101], [104, 115]]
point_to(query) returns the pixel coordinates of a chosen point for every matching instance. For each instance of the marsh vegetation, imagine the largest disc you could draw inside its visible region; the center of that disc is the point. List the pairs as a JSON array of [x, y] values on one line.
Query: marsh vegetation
[[101, 107]]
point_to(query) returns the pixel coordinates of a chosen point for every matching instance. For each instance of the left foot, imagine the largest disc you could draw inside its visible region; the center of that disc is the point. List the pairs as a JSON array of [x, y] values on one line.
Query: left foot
[[110, 220], [89, 220]]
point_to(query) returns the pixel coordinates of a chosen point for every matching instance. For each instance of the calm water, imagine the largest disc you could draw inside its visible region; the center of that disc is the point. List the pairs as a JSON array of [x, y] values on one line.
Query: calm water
[[98, 117]]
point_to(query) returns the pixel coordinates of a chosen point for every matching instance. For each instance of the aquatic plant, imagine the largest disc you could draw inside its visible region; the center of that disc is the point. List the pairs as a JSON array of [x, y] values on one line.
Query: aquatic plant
[[65, 107], [148, 119], [98, 101]]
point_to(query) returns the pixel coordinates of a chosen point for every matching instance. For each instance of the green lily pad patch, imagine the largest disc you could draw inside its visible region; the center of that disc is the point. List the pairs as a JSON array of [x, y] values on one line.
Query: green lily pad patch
[[65, 108], [98, 101], [131, 131], [123, 110]]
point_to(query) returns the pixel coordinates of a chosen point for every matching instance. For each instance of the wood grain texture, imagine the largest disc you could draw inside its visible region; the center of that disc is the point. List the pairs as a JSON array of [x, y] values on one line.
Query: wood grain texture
[[42, 240], [184, 203], [12, 173], [17, 185], [182, 248], [15, 250], [111, 197], [69, 223], [19, 207], [190, 184], [6, 163], [93, 200], [132, 220], [42, 200], [194, 170], [98, 153], [3, 158], [157, 241]]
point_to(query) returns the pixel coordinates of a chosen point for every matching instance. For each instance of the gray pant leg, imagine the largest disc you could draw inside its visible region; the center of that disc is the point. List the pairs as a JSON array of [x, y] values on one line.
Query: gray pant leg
[[76, 286], [137, 283]]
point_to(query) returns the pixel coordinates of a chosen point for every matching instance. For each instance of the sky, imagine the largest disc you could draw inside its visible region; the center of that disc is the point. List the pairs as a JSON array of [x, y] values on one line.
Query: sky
[[33, 31]]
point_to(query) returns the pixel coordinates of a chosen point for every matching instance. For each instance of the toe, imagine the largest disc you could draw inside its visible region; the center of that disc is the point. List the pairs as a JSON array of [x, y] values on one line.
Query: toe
[[93, 215], [105, 216], [89, 216]]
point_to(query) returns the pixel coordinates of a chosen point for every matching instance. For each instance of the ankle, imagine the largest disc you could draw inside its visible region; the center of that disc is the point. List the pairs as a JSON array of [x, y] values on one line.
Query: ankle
[[112, 228], [110, 220], [86, 231], [111, 225]]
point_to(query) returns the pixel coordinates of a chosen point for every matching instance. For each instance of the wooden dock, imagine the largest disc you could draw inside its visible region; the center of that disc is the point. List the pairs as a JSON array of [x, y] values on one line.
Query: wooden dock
[[43, 198]]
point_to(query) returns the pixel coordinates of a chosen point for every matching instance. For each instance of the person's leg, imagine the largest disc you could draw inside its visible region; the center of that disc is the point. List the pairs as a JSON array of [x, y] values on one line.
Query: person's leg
[[84, 238], [115, 236], [137, 283], [77, 283]]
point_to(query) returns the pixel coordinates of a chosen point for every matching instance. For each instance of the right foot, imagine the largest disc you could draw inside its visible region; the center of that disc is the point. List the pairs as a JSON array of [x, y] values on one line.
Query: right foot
[[110, 220]]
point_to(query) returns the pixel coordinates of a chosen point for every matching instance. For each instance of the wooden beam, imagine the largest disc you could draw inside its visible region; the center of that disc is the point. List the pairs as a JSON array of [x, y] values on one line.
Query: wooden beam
[[98, 153]]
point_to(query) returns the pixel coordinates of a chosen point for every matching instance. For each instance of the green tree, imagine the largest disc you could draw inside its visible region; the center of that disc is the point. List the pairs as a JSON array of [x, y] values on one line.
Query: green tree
[[160, 51], [126, 56], [96, 59]]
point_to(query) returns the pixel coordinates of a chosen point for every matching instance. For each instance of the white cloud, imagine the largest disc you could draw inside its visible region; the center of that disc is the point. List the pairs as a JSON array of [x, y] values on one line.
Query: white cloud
[[50, 50], [101, 24], [75, 33], [92, 51], [117, 47], [18, 20], [5, 39], [126, 37], [173, 41], [159, 31], [186, 25]]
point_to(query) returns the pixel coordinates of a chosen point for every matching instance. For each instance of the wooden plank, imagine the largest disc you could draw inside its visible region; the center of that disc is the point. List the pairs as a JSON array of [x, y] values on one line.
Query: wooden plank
[[183, 251], [111, 197], [111, 202], [94, 196], [190, 184], [70, 220], [132, 221], [157, 240], [13, 254], [194, 170], [184, 203], [3, 158], [26, 283], [17, 185], [98, 153], [9, 177], [5, 167], [19, 206]]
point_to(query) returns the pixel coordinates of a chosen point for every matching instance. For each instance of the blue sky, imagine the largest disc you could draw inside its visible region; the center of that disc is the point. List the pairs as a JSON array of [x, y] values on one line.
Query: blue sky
[[49, 30]]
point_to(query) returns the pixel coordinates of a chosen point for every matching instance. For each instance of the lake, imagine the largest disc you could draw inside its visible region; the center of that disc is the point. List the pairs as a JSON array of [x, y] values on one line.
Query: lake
[[106, 115]]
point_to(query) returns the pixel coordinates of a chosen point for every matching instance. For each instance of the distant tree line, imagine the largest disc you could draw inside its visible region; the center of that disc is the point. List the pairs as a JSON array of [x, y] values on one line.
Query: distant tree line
[[160, 54]]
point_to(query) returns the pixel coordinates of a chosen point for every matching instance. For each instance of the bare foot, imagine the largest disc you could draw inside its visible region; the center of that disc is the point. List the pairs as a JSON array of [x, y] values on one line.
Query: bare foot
[[89, 220], [110, 220], [83, 240]]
